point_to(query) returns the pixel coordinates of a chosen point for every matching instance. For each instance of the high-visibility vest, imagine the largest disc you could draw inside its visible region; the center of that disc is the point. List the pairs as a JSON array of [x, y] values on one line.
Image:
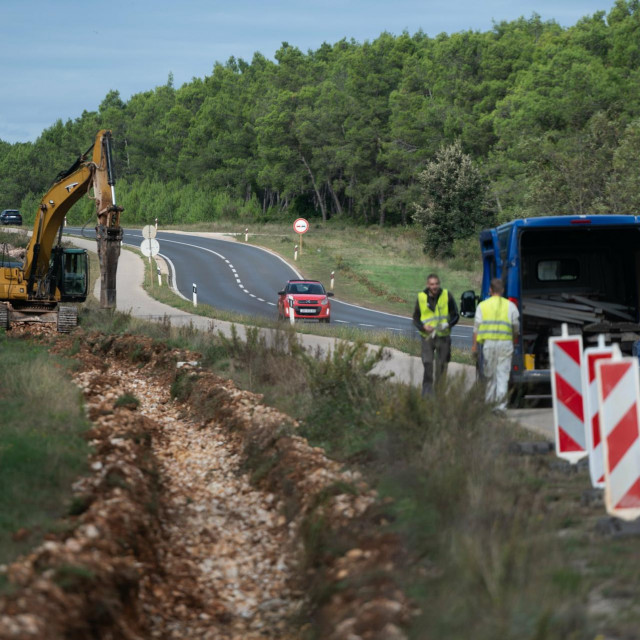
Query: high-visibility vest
[[438, 316], [495, 323]]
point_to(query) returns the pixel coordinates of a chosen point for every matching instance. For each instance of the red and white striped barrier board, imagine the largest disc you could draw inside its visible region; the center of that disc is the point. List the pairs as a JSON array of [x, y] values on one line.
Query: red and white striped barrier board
[[568, 407], [618, 383], [592, 415]]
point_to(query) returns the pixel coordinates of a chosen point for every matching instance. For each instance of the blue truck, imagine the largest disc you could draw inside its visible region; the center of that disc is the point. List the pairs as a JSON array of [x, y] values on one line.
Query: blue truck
[[583, 271]]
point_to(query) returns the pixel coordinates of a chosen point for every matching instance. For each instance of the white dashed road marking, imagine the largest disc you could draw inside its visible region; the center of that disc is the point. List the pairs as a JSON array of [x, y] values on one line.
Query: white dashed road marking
[[273, 304]]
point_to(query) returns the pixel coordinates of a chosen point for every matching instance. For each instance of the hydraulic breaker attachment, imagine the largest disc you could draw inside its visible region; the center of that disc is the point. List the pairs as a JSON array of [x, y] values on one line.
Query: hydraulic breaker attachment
[[109, 240], [108, 229]]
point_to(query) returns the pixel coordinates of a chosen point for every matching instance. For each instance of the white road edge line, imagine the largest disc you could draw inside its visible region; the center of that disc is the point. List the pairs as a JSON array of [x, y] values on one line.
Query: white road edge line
[[349, 304]]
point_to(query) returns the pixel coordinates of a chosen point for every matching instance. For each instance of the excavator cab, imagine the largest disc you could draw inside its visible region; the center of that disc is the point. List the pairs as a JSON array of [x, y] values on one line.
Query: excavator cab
[[70, 268]]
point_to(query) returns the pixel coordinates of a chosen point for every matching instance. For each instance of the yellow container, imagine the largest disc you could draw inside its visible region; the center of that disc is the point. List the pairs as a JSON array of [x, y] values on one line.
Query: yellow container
[[529, 361]]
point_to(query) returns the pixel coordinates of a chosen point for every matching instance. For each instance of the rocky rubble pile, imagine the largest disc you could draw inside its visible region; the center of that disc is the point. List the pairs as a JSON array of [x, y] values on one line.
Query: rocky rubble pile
[[197, 520]]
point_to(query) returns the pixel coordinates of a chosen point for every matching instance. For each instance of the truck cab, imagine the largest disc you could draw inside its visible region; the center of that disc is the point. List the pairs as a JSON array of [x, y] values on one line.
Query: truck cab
[[583, 271]]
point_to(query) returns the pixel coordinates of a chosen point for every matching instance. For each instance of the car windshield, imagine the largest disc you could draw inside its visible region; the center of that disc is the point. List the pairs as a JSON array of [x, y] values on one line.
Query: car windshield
[[306, 287]]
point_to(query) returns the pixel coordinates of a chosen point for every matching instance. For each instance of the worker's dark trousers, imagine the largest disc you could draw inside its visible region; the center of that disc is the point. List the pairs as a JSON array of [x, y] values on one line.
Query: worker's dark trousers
[[436, 349]]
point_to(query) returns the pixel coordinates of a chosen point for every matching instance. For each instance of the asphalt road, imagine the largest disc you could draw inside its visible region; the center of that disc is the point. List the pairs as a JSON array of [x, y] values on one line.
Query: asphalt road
[[234, 276]]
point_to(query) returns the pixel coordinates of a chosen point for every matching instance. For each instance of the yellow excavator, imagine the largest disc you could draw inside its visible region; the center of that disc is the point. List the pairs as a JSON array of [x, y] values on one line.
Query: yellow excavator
[[51, 274]]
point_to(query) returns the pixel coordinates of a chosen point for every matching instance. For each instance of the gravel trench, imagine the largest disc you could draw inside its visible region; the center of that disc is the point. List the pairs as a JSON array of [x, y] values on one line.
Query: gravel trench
[[224, 546]]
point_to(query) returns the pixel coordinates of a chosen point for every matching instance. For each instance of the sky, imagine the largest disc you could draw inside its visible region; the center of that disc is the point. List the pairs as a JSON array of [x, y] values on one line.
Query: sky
[[59, 58]]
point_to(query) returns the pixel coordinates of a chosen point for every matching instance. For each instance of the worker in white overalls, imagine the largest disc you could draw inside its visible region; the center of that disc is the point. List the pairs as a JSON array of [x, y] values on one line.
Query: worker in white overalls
[[496, 327]]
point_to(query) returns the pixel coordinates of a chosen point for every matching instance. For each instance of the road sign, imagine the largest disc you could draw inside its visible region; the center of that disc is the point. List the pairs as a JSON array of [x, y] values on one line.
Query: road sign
[[149, 247], [301, 225], [618, 381], [591, 412], [566, 385], [149, 231]]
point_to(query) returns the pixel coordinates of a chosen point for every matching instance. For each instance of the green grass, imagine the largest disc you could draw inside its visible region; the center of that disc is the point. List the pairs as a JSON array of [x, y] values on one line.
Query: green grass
[[41, 446], [16, 237]]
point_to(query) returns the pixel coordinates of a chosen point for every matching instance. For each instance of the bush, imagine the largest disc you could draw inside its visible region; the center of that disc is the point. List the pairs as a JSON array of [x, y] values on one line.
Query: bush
[[343, 391]]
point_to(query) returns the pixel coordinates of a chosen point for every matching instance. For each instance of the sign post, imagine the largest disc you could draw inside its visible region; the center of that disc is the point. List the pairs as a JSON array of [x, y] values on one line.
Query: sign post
[[301, 226], [150, 247]]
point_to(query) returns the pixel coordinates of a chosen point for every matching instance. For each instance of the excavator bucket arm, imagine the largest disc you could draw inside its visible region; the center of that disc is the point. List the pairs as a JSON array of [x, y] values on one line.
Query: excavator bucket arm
[[108, 229]]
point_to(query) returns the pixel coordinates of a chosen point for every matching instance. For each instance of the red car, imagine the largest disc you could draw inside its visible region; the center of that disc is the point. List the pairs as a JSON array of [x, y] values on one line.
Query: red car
[[307, 298]]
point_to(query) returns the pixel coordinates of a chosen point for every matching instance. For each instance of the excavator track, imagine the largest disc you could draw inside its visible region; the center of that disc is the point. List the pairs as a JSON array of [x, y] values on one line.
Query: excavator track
[[67, 319], [4, 316]]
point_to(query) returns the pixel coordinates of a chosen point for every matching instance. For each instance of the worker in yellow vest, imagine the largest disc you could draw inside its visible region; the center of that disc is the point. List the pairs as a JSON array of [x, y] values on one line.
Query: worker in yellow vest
[[434, 315], [496, 327]]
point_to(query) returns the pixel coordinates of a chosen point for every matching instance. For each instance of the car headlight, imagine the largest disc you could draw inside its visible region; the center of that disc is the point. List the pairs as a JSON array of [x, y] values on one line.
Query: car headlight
[[290, 300], [324, 301]]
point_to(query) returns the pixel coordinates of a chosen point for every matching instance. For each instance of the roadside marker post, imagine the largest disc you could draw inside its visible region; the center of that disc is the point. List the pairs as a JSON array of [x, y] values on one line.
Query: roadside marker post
[[593, 355], [333, 273], [618, 381], [292, 317], [295, 252], [565, 352], [246, 235], [195, 294], [159, 277]]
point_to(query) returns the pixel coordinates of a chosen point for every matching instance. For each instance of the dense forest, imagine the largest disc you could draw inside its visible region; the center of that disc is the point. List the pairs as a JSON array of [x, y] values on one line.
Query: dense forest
[[547, 118]]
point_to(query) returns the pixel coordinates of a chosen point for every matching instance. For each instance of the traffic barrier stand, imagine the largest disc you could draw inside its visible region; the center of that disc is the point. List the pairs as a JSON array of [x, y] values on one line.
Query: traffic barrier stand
[[618, 382], [565, 353], [591, 413]]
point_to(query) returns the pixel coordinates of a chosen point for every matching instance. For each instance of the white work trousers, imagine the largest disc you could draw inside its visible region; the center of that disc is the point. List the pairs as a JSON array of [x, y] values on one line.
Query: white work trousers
[[496, 366]]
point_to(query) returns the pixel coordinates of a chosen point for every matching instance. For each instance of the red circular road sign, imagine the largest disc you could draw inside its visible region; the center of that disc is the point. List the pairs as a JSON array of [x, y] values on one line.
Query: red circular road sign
[[301, 225]]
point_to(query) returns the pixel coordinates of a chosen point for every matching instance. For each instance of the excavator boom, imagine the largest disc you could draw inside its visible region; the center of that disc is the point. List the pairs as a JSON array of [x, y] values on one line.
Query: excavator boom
[[48, 272]]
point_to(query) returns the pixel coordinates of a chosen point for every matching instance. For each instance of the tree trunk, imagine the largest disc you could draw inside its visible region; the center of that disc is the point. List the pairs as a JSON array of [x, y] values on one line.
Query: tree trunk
[[126, 151], [323, 207], [336, 202], [351, 198], [382, 211]]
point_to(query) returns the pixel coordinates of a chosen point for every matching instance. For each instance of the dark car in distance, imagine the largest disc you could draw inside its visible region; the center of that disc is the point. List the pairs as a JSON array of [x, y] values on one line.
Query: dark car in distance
[[307, 299], [10, 216]]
